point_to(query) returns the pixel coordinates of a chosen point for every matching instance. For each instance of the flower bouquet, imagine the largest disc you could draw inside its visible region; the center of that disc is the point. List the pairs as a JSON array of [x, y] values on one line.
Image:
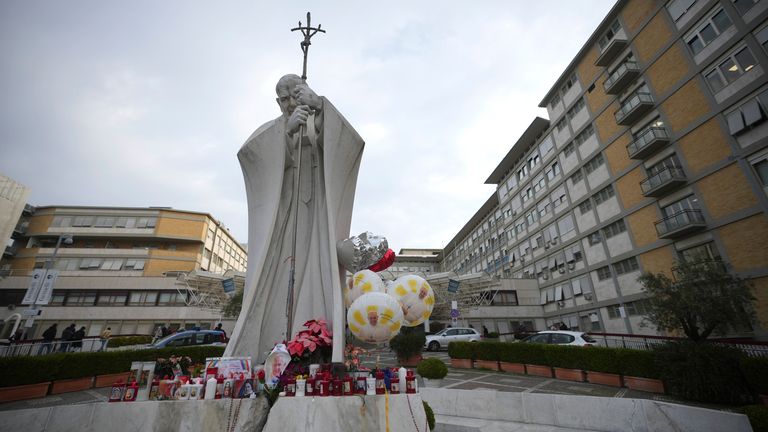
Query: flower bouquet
[[172, 366]]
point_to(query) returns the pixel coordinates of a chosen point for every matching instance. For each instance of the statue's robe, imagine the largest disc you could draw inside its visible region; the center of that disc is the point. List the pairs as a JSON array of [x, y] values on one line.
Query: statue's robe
[[326, 194]]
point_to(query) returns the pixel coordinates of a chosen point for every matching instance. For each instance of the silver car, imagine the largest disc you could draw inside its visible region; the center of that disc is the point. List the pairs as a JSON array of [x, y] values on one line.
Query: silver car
[[445, 336]]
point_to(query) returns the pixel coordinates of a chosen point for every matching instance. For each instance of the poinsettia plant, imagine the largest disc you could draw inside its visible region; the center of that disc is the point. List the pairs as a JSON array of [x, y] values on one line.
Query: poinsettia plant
[[311, 345]]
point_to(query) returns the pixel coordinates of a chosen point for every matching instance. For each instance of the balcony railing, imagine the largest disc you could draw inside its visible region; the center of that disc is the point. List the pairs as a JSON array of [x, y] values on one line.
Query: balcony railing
[[610, 51], [648, 142], [622, 76], [634, 108], [663, 182], [680, 223]]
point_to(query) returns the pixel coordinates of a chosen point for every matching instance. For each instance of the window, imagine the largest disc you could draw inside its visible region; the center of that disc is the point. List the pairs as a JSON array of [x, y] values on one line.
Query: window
[[609, 35], [732, 67], [80, 298], [573, 254], [678, 8], [558, 198], [112, 299], [671, 162], [762, 37], [568, 84], [82, 221], [553, 171], [566, 225], [581, 285], [533, 160], [112, 264], [555, 99], [578, 106], [584, 135], [560, 125], [539, 183], [708, 30], [615, 229], [744, 5], [749, 114], [546, 145], [706, 251], [603, 273], [142, 298], [62, 221], [761, 168], [134, 264], [595, 163], [532, 217], [585, 206], [626, 266], [104, 222], [687, 203], [544, 207], [604, 195], [577, 177], [594, 238], [170, 299], [568, 150]]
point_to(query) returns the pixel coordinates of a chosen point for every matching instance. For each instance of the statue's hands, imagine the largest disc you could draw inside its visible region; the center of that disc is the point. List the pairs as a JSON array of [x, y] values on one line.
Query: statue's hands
[[306, 96], [298, 118]]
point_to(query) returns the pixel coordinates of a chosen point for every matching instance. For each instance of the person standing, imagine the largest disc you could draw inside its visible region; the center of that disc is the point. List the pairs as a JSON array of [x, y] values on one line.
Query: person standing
[[66, 337], [77, 339], [158, 334], [105, 335], [48, 336], [218, 328]]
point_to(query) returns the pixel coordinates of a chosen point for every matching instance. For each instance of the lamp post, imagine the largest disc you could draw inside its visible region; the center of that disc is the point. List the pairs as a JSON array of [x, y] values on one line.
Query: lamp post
[[32, 311]]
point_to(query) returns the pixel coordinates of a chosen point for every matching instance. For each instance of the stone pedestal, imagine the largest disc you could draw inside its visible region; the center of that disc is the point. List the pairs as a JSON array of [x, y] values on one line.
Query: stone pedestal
[[405, 412]]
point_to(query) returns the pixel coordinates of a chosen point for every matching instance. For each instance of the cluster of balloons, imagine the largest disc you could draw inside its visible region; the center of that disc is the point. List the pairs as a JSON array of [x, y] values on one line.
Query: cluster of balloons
[[377, 310]]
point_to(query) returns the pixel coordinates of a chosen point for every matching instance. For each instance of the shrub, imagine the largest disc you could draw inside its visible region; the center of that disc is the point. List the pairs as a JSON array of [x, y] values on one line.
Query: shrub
[[567, 357], [36, 369], [636, 363], [430, 415], [758, 416], [432, 368], [407, 345], [487, 351], [755, 370], [462, 350], [128, 340], [492, 335], [703, 372], [605, 360]]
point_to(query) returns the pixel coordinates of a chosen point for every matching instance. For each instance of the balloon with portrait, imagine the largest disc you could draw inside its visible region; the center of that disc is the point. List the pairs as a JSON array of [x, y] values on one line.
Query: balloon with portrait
[[362, 282], [415, 296], [375, 317]]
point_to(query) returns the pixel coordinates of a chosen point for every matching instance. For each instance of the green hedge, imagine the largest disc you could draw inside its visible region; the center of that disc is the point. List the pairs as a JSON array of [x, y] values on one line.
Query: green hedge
[[756, 372], [462, 350], [637, 363], [758, 416], [487, 351], [35, 369], [128, 340]]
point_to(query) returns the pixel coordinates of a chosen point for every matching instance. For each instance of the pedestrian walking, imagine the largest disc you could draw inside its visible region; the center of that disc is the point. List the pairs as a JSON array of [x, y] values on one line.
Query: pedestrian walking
[[77, 339], [66, 337], [105, 335], [218, 327], [158, 334], [48, 336]]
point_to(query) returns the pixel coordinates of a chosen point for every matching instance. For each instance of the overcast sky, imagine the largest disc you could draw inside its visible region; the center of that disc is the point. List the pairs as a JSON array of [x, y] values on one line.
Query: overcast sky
[[146, 103]]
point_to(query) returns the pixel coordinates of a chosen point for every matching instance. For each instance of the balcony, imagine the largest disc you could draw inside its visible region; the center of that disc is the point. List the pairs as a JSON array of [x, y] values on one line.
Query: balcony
[[633, 108], [610, 51], [663, 182], [20, 230], [680, 224], [621, 77], [648, 143]]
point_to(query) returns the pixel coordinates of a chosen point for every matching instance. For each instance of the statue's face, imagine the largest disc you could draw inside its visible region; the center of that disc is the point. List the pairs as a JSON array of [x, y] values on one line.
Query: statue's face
[[286, 100]]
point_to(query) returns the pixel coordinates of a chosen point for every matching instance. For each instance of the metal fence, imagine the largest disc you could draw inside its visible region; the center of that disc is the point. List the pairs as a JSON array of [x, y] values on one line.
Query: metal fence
[[37, 347], [614, 340]]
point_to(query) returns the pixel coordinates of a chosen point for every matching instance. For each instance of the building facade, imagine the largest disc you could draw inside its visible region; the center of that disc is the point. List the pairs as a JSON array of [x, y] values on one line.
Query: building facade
[[130, 269], [13, 200], [656, 149]]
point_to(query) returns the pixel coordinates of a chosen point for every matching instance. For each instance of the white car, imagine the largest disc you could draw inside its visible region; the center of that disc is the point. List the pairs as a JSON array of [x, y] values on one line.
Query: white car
[[445, 336], [561, 337]]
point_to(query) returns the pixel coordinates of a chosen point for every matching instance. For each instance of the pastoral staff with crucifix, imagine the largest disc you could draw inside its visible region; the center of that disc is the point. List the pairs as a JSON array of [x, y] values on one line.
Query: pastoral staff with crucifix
[[300, 175]]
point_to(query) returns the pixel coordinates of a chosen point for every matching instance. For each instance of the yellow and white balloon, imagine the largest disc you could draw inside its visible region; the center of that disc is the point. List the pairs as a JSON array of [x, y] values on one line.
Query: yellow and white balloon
[[415, 296], [375, 317], [362, 282]]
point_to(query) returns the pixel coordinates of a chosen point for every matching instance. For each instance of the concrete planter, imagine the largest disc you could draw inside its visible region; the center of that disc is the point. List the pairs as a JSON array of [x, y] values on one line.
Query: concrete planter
[[644, 384], [433, 382], [538, 370], [108, 379], [29, 391], [71, 385], [410, 361], [569, 374], [461, 363], [609, 379], [487, 364], [517, 368]]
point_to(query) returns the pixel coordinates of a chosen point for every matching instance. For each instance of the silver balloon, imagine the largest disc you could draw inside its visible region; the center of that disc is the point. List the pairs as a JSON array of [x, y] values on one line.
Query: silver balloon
[[361, 251]]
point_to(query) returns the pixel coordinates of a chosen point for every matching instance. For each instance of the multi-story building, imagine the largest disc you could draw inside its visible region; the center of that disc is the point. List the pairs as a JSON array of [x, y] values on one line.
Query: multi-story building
[[13, 199], [131, 269], [656, 148]]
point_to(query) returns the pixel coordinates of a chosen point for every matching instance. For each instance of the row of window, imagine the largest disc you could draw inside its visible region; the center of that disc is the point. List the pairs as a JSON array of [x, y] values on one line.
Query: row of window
[[569, 289], [74, 264], [104, 222], [622, 267]]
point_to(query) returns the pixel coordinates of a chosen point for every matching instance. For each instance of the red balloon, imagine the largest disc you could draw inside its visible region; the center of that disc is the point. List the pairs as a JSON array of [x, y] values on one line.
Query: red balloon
[[384, 262]]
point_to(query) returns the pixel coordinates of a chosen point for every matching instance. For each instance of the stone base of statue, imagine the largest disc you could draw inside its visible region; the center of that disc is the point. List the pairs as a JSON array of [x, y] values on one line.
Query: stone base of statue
[[400, 412], [239, 415]]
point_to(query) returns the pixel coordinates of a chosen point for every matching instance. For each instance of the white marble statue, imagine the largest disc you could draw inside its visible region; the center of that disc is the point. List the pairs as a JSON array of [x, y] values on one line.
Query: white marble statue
[[331, 153]]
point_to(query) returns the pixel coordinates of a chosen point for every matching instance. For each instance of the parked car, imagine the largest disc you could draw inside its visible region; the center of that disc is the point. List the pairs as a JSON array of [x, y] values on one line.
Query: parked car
[[561, 337], [192, 337], [445, 336]]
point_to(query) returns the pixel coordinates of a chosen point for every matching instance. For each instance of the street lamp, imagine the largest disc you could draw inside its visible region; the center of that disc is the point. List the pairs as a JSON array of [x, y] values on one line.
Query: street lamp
[[42, 294]]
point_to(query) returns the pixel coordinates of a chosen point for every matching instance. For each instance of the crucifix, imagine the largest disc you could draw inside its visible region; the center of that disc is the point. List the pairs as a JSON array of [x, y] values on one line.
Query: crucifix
[[308, 32]]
